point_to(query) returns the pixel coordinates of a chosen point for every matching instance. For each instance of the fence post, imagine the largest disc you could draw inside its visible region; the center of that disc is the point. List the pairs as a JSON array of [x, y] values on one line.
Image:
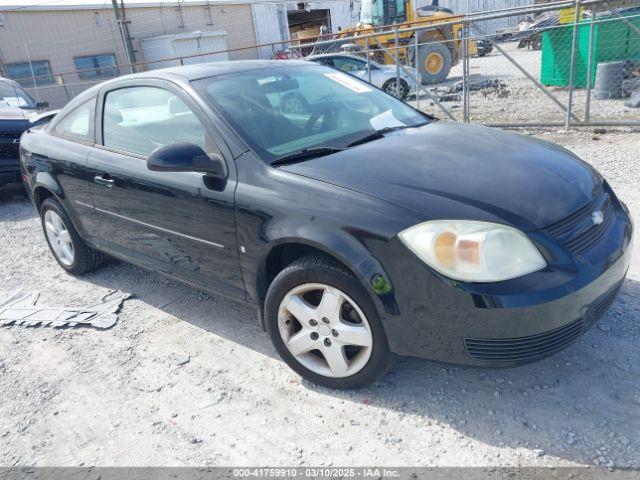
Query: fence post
[[368, 60], [465, 73], [33, 76], [397, 62], [587, 105], [417, 70], [572, 66], [64, 87]]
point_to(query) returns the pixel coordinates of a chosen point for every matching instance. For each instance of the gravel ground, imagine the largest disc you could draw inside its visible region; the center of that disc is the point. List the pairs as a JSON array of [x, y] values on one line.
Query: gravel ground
[[521, 101], [125, 396]]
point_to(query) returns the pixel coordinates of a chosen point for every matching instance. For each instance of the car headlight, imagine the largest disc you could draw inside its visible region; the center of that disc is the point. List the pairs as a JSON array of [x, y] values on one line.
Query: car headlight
[[473, 251]]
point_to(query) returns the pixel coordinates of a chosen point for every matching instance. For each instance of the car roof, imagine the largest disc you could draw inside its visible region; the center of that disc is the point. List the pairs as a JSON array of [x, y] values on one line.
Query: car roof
[[327, 55], [187, 73]]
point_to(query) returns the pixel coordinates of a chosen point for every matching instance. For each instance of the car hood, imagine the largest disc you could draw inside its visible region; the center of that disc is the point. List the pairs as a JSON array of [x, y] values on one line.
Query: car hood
[[449, 170], [14, 119], [15, 113], [19, 120]]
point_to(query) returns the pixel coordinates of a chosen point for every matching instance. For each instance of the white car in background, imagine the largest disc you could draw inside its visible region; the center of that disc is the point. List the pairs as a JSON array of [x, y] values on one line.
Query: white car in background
[[382, 76]]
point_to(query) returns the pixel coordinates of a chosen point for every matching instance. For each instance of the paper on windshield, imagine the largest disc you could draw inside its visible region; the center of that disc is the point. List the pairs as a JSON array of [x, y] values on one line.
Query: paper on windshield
[[384, 120], [348, 81]]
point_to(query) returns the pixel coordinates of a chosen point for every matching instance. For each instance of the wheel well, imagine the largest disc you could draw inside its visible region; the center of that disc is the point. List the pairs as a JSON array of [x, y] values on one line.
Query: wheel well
[[283, 255], [40, 194]]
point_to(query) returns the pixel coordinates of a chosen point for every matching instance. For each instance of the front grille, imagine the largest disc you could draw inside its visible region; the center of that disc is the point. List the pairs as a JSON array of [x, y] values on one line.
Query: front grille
[[8, 149], [9, 152], [9, 136], [578, 233], [523, 349], [600, 307]]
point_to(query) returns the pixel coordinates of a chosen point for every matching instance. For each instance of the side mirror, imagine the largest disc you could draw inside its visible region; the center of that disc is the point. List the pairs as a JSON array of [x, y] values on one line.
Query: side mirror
[[186, 157], [42, 105]]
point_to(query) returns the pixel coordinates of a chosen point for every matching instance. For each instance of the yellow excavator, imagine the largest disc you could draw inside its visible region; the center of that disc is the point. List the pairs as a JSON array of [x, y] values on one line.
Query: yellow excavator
[[438, 49]]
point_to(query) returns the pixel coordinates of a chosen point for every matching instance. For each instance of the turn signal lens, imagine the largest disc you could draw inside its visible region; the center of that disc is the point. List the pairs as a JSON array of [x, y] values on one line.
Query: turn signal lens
[[473, 251], [444, 248]]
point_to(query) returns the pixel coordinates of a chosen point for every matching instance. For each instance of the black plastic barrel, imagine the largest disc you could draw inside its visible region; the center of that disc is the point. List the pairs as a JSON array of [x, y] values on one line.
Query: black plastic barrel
[[609, 78]]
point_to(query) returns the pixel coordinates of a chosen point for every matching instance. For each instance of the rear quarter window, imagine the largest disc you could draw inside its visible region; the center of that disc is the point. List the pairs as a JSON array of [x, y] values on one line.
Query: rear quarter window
[[78, 124]]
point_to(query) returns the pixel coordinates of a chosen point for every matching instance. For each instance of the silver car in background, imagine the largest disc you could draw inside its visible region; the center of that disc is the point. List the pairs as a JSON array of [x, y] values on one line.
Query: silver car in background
[[382, 76]]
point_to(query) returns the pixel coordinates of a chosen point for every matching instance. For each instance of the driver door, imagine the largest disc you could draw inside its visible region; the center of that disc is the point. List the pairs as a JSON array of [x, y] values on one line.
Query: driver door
[[181, 223]]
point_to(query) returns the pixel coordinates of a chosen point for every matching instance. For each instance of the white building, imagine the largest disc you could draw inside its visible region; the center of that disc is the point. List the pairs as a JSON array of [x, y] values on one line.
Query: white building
[[57, 49]]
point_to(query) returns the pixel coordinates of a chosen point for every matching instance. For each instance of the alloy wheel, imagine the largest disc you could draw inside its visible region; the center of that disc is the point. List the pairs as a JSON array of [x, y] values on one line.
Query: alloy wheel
[[59, 238], [325, 330]]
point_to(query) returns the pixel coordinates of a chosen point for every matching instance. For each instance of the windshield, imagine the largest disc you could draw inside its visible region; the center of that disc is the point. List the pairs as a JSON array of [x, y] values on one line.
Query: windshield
[[13, 96], [382, 12], [303, 107]]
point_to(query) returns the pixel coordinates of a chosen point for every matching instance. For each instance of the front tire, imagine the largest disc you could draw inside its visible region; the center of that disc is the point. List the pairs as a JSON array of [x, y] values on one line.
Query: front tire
[[69, 250], [434, 63], [324, 325]]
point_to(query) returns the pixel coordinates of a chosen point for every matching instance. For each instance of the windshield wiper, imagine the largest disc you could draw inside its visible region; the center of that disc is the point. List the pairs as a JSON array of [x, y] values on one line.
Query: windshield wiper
[[305, 154], [376, 134]]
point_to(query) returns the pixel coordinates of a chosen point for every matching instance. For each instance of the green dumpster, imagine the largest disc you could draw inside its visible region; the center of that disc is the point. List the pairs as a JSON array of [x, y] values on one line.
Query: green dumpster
[[613, 41]]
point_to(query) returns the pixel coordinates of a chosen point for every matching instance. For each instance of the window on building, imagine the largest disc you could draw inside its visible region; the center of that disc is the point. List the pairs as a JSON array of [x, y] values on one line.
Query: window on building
[[78, 123], [25, 72], [96, 66]]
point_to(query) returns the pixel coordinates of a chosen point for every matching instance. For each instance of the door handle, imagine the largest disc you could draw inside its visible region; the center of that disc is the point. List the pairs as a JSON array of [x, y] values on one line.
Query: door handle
[[103, 180]]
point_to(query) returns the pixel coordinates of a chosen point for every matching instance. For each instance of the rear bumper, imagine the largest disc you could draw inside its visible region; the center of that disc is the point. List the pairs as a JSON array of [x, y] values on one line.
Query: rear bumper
[[505, 323]]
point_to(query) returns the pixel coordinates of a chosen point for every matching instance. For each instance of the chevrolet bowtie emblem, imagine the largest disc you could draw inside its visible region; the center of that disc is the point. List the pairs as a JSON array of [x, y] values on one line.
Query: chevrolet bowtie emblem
[[597, 217]]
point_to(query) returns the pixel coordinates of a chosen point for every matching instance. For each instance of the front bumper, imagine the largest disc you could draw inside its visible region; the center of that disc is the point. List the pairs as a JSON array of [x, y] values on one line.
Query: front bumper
[[9, 164], [504, 323], [10, 176]]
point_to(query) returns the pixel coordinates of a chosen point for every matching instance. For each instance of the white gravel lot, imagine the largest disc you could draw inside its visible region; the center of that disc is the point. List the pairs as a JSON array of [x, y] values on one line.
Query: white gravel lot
[[521, 101], [116, 398]]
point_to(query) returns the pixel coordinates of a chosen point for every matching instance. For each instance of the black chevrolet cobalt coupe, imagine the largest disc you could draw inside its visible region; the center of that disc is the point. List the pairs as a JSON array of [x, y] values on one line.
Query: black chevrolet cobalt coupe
[[358, 226]]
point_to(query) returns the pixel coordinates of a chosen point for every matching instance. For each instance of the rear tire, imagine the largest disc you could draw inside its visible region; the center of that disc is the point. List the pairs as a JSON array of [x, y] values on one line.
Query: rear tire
[[345, 351], [434, 63], [390, 87], [69, 250]]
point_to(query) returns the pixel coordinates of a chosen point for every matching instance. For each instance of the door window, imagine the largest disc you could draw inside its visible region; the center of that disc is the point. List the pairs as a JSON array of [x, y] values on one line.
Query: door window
[[140, 119], [78, 124]]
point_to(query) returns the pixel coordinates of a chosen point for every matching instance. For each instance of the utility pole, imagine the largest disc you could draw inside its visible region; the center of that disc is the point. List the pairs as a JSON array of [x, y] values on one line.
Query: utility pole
[[126, 41]]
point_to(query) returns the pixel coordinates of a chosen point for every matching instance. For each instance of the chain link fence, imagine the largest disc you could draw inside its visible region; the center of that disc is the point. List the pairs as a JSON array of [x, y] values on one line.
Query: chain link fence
[[566, 64], [562, 63]]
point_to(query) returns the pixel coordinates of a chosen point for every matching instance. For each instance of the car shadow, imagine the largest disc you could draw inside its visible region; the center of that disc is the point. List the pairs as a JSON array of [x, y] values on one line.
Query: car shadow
[[582, 404], [227, 318]]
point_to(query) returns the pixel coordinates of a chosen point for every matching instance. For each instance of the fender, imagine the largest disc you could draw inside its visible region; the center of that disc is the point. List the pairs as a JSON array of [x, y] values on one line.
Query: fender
[[343, 246], [47, 181]]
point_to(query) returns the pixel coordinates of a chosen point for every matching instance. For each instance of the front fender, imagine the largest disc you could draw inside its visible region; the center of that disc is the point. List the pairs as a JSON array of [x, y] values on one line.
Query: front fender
[[345, 247]]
